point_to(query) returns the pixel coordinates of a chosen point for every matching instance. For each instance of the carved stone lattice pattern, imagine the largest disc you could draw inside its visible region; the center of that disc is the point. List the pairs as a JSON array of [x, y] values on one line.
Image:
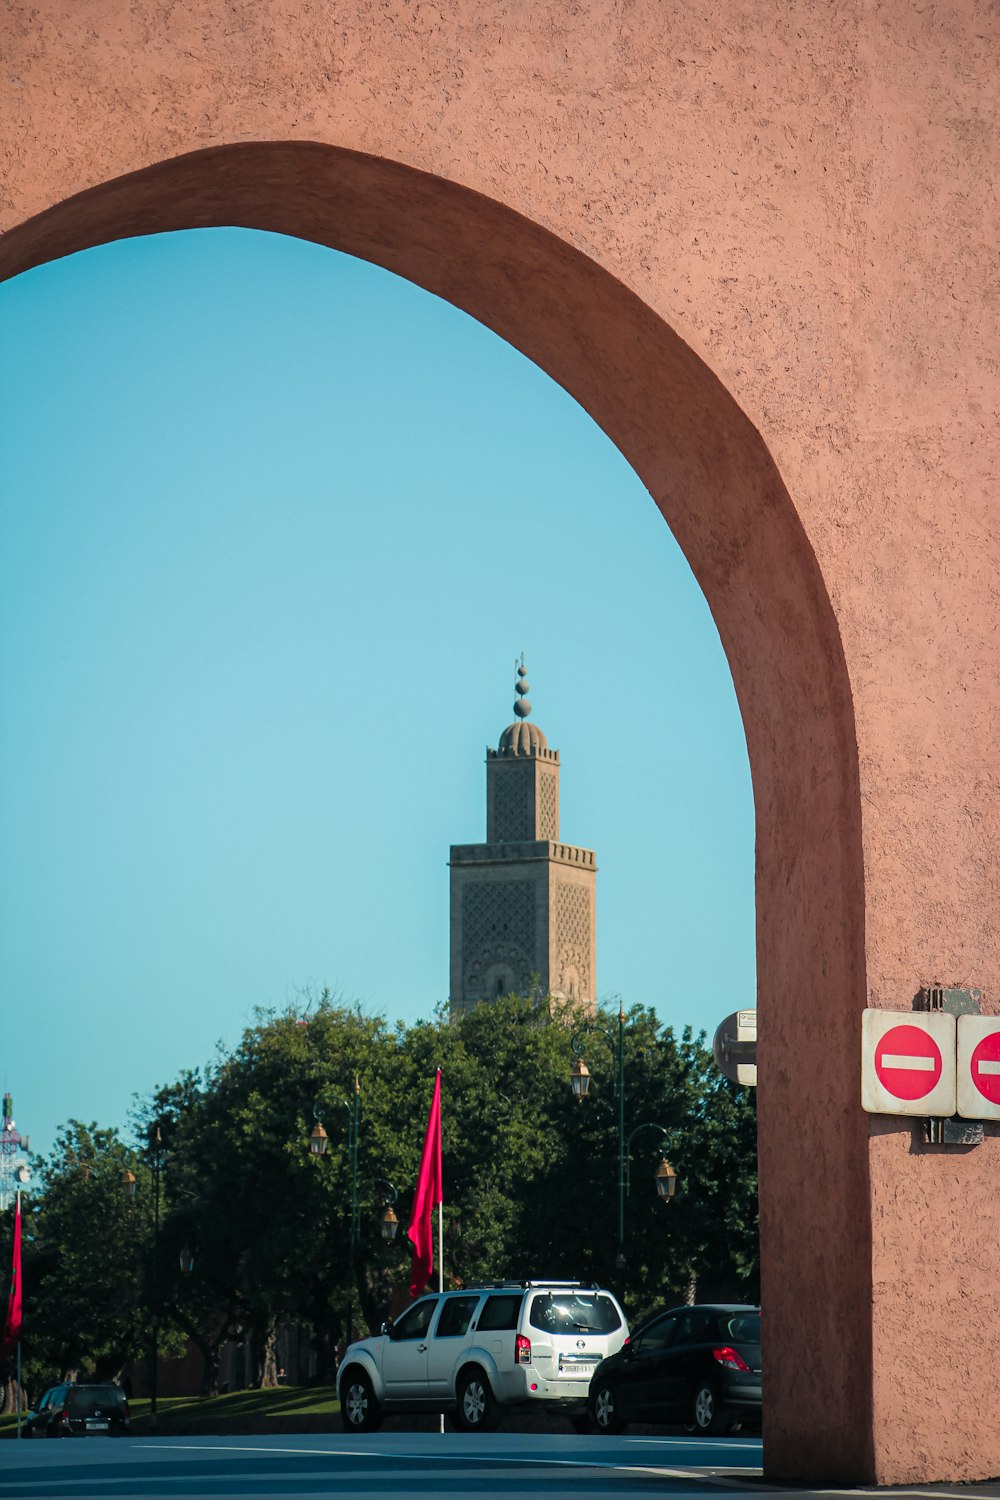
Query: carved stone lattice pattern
[[573, 933], [498, 927], [548, 827], [512, 808]]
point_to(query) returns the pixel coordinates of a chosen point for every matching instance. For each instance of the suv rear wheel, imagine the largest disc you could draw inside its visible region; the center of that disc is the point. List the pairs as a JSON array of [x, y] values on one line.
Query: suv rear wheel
[[477, 1409], [359, 1411]]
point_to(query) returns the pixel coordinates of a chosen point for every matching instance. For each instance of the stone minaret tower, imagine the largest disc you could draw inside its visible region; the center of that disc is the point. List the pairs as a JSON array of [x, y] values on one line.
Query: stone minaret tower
[[522, 904]]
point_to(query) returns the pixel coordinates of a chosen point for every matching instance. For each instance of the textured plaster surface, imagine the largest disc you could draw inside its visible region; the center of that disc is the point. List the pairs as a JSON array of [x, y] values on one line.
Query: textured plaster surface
[[759, 244]]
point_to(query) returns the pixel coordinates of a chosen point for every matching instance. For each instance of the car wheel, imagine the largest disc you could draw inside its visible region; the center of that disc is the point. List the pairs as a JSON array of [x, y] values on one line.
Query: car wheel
[[708, 1412], [604, 1410], [359, 1411], [477, 1409]]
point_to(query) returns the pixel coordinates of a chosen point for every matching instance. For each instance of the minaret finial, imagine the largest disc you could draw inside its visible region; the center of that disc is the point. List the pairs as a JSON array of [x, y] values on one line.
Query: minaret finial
[[521, 687]]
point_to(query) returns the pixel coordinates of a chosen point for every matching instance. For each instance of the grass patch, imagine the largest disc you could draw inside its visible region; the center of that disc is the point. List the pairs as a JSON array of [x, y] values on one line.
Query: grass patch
[[216, 1414]]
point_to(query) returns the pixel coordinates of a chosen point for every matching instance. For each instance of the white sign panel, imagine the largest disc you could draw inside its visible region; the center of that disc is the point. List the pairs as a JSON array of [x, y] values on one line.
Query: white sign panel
[[979, 1067], [735, 1048], [908, 1062]]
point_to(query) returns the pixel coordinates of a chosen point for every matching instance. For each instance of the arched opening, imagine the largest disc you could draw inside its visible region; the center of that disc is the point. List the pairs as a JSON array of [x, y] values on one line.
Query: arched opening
[[714, 481]]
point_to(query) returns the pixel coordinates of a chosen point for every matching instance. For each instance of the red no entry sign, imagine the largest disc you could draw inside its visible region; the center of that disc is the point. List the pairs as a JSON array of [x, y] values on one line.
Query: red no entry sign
[[908, 1062], [979, 1067], [985, 1068]]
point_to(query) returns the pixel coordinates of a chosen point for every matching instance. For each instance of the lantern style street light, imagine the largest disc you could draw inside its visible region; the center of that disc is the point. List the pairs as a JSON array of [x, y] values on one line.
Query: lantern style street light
[[666, 1179], [665, 1176], [388, 1223]]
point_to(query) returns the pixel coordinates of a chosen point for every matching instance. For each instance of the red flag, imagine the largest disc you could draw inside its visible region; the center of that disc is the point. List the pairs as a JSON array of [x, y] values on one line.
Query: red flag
[[426, 1198], [12, 1327]]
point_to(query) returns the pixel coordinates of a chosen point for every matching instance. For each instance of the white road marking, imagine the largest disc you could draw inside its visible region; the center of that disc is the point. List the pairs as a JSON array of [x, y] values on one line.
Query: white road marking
[[693, 1472], [725, 1443]]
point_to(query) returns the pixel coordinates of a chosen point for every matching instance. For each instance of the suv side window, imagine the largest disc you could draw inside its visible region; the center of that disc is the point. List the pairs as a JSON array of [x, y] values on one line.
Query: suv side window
[[456, 1315], [415, 1321], [499, 1315]]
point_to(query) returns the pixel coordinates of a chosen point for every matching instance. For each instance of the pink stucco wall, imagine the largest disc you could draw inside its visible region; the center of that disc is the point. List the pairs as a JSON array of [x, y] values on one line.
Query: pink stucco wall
[[758, 243]]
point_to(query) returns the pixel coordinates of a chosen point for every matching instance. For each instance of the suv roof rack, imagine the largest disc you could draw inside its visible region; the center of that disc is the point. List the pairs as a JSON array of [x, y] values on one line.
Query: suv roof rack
[[523, 1286]]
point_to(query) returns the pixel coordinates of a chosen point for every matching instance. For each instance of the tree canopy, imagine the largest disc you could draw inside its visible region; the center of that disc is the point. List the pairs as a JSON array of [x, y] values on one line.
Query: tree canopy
[[254, 1229]]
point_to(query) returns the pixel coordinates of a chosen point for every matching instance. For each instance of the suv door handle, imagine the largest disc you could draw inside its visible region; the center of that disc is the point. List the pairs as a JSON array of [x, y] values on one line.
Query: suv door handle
[[421, 1348]]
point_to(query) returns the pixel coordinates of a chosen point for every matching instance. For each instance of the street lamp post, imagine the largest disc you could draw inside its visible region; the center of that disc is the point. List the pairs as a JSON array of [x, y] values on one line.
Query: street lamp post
[[129, 1185], [156, 1162], [318, 1142], [666, 1177]]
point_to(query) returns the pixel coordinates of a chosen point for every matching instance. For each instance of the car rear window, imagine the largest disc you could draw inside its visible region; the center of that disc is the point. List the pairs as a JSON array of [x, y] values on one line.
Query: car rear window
[[499, 1315], [574, 1312], [743, 1328], [86, 1398]]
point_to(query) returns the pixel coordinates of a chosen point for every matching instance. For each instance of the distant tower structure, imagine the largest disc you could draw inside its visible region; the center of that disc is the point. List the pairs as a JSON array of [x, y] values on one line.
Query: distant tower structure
[[522, 904], [14, 1171]]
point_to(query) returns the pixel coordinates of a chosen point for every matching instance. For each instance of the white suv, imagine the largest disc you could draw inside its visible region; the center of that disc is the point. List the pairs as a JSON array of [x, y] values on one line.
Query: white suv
[[478, 1350]]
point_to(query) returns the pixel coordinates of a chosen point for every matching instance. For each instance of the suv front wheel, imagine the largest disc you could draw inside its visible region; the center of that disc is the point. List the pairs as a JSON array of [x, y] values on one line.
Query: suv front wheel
[[359, 1411], [477, 1409]]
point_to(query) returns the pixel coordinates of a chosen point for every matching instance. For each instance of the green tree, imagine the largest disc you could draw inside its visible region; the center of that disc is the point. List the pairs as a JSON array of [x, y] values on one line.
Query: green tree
[[84, 1256], [530, 1181], [269, 1224]]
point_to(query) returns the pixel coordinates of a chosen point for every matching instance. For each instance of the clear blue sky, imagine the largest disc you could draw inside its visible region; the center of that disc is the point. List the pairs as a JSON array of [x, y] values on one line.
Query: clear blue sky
[[274, 525]]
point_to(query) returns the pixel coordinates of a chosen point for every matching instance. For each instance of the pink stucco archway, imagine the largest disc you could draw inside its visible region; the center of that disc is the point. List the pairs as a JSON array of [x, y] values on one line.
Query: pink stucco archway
[[774, 335]]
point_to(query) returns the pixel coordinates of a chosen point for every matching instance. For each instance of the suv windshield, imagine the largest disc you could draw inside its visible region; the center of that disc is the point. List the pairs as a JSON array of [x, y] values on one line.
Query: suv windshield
[[574, 1312]]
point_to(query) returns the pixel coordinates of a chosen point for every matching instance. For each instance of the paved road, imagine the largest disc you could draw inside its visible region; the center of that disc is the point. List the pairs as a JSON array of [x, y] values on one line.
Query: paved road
[[425, 1464], [528, 1466]]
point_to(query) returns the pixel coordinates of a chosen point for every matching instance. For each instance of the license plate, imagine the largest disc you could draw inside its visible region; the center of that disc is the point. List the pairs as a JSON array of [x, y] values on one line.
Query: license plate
[[94, 1426], [578, 1362]]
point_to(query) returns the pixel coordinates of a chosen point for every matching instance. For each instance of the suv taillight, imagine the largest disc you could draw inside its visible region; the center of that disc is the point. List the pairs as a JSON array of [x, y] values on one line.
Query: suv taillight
[[64, 1415], [730, 1359], [522, 1350]]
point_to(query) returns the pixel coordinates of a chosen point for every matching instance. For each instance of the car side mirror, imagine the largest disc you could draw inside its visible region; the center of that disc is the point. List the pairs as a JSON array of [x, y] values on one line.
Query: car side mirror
[[384, 1327]]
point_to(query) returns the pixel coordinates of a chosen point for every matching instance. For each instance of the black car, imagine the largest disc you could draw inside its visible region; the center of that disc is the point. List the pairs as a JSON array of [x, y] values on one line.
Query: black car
[[79, 1411], [694, 1365]]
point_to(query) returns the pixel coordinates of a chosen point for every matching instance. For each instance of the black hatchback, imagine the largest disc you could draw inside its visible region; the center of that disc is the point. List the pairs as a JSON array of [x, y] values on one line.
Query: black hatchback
[[80, 1411], [694, 1365]]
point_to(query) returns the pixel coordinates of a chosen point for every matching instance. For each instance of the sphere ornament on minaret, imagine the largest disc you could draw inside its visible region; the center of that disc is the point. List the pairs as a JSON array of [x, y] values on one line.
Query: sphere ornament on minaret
[[522, 738]]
